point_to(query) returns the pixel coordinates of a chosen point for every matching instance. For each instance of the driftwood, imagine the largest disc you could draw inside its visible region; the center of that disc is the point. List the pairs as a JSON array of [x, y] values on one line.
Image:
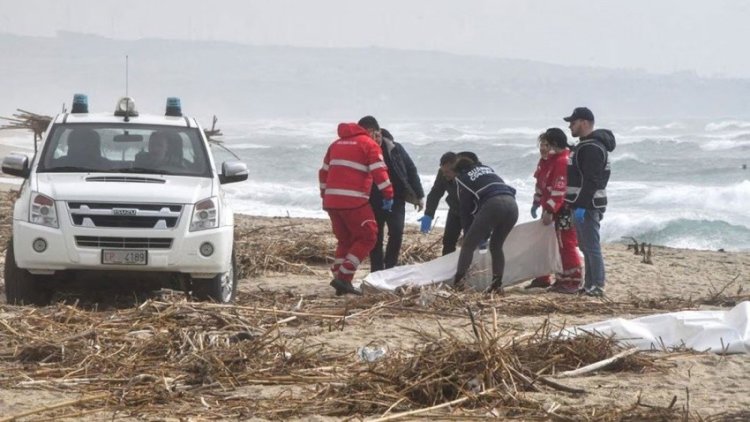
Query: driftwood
[[597, 365], [643, 249], [36, 123], [646, 254], [213, 133]]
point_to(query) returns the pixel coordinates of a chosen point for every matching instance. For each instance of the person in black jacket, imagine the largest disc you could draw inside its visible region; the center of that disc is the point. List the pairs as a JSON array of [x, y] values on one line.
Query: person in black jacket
[[444, 182], [407, 187], [586, 195], [488, 209]]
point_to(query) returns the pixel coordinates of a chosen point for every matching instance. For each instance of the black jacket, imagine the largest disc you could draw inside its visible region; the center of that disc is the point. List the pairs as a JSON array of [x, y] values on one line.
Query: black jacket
[[439, 188], [403, 174], [589, 170], [474, 187]]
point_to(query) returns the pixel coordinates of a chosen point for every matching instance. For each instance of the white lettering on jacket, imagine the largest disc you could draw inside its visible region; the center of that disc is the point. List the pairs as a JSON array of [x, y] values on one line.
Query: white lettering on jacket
[[476, 172]]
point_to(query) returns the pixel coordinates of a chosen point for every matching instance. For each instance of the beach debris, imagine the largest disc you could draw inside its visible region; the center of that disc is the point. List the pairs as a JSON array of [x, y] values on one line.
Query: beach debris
[[372, 352], [265, 247], [213, 133], [37, 123], [643, 249], [164, 355], [634, 246], [646, 254]]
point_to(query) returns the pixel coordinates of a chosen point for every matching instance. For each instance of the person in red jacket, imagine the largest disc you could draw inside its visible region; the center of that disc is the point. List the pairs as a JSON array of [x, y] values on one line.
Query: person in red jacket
[[350, 166], [551, 182]]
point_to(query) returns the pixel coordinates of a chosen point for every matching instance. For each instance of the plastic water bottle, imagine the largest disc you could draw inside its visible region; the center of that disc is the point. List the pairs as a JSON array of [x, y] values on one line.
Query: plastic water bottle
[[372, 352]]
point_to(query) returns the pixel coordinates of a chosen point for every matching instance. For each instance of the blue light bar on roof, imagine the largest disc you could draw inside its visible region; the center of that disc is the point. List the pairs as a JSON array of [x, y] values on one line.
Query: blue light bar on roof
[[80, 104], [174, 108]]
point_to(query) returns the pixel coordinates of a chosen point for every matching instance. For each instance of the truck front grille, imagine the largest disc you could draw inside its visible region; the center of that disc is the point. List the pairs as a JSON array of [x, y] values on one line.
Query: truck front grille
[[137, 216], [124, 242]]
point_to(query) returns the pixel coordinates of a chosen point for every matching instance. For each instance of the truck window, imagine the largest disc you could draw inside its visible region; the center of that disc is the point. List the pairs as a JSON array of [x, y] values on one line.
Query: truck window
[[117, 148]]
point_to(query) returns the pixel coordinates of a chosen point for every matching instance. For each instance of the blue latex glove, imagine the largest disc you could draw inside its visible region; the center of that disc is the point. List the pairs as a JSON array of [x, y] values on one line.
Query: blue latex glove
[[426, 225], [533, 210], [579, 213], [484, 244], [387, 204]]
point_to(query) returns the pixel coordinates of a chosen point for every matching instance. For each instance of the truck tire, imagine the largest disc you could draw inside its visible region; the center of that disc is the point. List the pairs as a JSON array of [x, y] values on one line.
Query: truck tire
[[220, 289], [22, 287]]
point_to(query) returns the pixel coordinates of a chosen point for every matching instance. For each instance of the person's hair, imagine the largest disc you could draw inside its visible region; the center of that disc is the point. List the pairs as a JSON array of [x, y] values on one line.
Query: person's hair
[[369, 123], [464, 163], [555, 137], [448, 158], [470, 155], [385, 134]]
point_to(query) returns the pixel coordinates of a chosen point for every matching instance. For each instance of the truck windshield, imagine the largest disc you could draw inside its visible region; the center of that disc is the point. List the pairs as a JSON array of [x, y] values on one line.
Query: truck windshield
[[125, 148]]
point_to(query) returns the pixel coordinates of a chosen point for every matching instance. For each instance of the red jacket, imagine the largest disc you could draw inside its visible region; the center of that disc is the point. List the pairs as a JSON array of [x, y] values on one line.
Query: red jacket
[[551, 181], [350, 166]]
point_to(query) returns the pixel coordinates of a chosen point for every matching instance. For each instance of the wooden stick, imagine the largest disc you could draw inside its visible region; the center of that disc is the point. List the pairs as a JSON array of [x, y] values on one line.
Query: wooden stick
[[549, 383], [597, 365], [53, 406], [251, 308], [429, 409], [494, 322]]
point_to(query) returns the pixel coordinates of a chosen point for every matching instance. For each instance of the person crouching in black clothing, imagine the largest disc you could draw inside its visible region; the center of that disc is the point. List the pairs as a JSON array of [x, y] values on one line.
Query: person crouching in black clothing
[[488, 208], [407, 187], [444, 182]]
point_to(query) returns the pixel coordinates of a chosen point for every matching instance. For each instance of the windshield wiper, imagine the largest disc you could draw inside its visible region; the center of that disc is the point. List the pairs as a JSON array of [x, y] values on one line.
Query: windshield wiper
[[75, 169], [137, 170]]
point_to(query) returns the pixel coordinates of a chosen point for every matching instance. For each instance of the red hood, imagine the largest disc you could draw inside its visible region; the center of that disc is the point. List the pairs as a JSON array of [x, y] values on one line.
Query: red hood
[[347, 130]]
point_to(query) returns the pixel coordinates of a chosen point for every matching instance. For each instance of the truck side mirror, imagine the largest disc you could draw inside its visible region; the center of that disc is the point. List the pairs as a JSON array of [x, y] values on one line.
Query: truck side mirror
[[233, 171], [17, 165]]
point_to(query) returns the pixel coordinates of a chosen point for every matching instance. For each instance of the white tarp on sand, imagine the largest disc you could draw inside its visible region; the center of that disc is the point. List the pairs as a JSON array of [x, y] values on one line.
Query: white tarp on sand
[[530, 251], [714, 331]]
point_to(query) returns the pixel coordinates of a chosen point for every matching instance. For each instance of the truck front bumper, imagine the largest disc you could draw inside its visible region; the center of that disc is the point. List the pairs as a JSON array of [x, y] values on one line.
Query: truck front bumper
[[63, 252]]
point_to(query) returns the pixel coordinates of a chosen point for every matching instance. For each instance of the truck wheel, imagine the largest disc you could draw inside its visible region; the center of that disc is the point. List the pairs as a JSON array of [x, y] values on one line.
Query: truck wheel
[[221, 289], [22, 287]]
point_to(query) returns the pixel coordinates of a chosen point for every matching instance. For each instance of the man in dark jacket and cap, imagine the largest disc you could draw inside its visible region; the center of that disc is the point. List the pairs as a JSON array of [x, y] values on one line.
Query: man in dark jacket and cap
[[407, 188], [586, 195]]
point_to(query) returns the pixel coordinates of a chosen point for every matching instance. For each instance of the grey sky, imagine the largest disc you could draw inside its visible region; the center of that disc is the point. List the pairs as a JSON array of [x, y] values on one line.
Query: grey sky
[[708, 37]]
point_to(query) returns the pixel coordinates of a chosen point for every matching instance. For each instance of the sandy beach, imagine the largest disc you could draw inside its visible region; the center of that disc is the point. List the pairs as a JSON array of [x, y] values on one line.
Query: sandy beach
[[698, 384]]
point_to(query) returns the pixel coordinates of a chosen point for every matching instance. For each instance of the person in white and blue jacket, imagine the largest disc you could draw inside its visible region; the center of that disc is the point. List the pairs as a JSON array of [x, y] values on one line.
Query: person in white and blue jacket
[[488, 209]]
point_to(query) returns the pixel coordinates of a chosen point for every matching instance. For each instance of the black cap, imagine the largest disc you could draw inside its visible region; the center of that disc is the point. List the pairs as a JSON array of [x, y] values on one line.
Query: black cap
[[580, 113]]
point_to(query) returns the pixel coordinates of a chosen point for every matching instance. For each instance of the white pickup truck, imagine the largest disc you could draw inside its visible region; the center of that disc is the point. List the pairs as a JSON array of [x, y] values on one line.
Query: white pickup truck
[[120, 197]]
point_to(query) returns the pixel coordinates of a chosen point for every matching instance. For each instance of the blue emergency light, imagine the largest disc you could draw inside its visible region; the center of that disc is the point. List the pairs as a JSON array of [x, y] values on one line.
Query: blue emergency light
[[80, 104], [174, 108]]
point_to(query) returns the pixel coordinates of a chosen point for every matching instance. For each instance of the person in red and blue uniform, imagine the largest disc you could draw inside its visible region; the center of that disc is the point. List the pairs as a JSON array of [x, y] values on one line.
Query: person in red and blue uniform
[[351, 165], [551, 183]]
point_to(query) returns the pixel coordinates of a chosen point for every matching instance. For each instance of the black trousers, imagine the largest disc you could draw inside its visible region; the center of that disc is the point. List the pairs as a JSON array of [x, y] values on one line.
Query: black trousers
[[495, 218], [451, 233], [394, 220]]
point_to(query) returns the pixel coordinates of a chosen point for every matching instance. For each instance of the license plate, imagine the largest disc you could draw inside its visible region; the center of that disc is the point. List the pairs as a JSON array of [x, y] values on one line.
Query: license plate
[[125, 256]]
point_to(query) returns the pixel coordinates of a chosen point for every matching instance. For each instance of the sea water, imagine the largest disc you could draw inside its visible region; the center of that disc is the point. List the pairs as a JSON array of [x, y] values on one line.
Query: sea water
[[678, 183]]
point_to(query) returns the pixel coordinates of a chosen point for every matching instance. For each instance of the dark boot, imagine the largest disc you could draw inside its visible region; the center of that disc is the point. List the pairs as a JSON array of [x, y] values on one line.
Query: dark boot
[[344, 287], [497, 285]]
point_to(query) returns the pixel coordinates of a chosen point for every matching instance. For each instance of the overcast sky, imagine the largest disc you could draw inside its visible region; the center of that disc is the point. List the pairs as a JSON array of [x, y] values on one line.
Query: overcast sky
[[707, 37]]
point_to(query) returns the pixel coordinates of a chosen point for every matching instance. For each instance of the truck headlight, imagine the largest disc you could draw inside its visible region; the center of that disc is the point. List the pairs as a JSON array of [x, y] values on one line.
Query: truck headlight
[[205, 215], [43, 210]]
